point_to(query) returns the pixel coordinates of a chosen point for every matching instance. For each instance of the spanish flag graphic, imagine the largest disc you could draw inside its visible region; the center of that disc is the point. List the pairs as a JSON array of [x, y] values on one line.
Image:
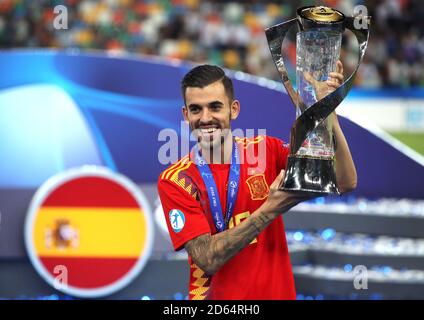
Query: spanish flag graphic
[[92, 226]]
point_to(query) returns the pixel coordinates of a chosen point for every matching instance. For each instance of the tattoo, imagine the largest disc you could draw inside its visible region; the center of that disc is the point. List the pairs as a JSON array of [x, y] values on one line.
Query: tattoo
[[211, 252]]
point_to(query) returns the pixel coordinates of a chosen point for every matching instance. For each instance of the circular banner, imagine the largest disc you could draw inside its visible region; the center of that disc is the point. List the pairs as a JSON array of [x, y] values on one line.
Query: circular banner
[[88, 231]]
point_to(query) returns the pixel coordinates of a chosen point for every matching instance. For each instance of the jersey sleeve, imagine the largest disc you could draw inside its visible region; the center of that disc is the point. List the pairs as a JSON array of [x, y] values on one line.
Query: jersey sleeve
[[279, 152], [183, 214]]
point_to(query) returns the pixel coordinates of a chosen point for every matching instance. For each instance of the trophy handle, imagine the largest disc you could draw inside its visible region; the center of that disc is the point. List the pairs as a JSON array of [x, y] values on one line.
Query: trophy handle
[[275, 36], [319, 111]]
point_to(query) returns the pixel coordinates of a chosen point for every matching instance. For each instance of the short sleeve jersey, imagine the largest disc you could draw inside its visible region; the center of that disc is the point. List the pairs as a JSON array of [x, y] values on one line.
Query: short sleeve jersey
[[261, 270]]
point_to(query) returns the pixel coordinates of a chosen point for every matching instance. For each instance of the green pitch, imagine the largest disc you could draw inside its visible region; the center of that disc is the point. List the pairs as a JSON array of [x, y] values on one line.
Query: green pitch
[[414, 140]]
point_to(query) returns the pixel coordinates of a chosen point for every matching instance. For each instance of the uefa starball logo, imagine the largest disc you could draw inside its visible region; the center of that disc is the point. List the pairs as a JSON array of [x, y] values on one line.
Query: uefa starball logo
[[177, 220]]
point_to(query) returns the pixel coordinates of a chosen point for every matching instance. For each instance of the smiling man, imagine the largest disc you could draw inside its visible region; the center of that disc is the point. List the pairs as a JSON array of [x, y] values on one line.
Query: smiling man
[[225, 211]]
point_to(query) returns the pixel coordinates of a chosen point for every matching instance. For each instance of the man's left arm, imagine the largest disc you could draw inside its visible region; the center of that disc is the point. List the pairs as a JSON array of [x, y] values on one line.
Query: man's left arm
[[345, 167]]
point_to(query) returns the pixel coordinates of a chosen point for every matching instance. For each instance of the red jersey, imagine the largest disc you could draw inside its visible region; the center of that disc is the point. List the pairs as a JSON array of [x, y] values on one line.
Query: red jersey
[[261, 270]]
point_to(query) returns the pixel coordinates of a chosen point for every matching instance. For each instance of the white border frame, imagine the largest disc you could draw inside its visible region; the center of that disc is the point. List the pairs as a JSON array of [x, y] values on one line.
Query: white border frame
[[63, 177]]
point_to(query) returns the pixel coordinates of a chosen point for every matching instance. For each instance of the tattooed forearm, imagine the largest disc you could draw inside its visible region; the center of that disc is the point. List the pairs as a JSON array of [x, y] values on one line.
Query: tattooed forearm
[[212, 252]]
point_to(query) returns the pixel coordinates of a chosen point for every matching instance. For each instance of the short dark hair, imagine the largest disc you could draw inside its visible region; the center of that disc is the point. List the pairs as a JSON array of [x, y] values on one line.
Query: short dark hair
[[204, 75]]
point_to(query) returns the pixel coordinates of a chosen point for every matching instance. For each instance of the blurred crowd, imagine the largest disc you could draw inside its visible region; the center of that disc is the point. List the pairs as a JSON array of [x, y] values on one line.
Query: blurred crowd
[[226, 33]]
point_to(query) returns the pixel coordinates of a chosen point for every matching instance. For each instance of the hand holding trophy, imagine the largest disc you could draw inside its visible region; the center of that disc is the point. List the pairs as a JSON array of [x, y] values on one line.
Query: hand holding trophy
[[310, 166]]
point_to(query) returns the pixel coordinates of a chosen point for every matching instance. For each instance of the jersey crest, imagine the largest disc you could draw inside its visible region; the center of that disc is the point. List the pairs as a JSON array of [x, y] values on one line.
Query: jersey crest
[[258, 187]]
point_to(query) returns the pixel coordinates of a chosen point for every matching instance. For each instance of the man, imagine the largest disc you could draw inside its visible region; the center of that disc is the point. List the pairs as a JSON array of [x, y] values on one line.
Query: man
[[229, 210]]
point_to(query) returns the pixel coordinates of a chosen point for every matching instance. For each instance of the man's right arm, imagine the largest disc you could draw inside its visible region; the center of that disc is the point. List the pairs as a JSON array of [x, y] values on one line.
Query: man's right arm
[[211, 252]]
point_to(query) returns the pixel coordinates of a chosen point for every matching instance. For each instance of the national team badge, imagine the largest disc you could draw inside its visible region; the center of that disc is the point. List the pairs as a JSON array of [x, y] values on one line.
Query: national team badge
[[177, 220], [258, 187], [88, 231]]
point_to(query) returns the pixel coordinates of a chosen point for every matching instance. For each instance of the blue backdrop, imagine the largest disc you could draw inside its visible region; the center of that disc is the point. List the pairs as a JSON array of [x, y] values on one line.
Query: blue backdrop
[[62, 109]]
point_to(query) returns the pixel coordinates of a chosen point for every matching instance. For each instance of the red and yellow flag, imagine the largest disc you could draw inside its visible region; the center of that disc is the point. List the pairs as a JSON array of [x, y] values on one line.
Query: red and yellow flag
[[93, 226]]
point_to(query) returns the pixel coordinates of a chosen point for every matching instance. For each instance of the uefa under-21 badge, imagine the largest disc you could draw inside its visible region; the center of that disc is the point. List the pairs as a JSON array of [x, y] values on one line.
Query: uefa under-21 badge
[[177, 220]]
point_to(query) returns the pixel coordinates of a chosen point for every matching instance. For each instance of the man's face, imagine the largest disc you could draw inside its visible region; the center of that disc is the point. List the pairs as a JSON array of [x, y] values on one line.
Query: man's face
[[209, 113]]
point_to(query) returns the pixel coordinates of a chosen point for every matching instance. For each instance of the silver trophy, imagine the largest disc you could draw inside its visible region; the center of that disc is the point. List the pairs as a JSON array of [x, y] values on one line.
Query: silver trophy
[[310, 166]]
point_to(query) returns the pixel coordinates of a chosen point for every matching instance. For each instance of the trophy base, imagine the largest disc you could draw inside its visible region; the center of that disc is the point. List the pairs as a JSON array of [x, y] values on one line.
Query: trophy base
[[312, 175]]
